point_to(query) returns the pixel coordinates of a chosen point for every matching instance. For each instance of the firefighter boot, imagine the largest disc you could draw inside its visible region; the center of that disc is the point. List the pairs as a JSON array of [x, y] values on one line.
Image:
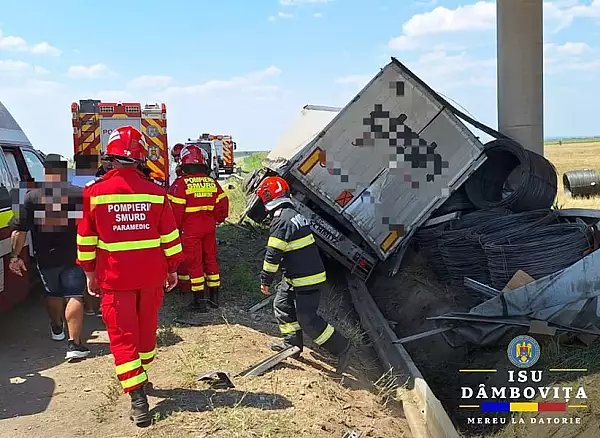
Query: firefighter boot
[[140, 410], [213, 299], [198, 303], [344, 359]]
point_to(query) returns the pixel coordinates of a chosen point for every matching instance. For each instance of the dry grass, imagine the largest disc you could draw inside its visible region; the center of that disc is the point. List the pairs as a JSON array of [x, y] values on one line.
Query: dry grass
[[574, 156]]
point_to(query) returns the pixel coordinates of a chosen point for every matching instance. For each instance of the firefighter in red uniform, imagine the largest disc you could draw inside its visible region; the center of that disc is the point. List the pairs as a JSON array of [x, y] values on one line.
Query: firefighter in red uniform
[[127, 224], [176, 154], [199, 203]]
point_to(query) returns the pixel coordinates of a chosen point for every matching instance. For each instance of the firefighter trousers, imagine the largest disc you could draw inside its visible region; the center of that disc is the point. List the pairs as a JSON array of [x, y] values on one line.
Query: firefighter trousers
[[199, 268], [297, 312], [131, 319]]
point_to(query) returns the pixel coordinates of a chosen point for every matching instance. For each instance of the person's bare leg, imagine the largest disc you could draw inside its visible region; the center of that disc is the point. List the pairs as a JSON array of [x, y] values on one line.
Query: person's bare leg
[[56, 310], [74, 316]]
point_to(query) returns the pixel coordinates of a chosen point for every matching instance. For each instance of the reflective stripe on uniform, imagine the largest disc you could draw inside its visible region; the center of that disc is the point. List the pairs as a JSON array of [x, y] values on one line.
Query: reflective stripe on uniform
[[86, 256], [166, 238], [134, 381], [270, 267], [128, 366], [129, 245], [147, 359], [200, 208], [282, 245], [173, 250], [300, 243], [308, 281], [276, 243], [196, 280], [290, 327], [325, 335], [221, 197], [87, 240], [126, 197], [176, 200], [183, 277], [213, 280], [197, 287]]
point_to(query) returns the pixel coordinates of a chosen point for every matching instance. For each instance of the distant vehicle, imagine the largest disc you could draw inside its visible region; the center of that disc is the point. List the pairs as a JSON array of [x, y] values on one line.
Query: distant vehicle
[[94, 120], [20, 166], [224, 147], [209, 147]]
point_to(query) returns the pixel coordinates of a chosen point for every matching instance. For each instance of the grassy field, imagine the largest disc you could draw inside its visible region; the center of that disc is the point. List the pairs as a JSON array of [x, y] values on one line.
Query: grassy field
[[571, 155], [574, 156]]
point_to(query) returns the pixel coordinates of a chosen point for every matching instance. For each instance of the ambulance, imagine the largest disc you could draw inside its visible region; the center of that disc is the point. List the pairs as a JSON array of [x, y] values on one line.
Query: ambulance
[[224, 147], [20, 166], [94, 120]]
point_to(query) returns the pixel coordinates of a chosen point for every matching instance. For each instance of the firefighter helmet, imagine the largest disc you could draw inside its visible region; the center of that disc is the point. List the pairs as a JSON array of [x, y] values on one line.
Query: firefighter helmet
[[176, 151], [192, 154], [273, 191], [72, 281], [126, 144]]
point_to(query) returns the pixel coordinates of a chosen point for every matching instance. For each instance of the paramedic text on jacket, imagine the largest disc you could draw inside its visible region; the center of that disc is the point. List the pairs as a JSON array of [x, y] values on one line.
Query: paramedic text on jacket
[[129, 246], [292, 247]]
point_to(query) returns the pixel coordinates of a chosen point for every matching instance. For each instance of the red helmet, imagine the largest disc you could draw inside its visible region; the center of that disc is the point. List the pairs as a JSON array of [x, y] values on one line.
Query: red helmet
[[272, 188], [126, 144], [192, 154], [176, 151]]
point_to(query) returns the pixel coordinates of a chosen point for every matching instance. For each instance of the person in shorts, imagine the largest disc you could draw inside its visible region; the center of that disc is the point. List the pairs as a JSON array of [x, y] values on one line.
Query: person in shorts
[[50, 212]]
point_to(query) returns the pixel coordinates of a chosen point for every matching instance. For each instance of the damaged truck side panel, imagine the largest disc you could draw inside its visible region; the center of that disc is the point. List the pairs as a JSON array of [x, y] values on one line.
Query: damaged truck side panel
[[387, 159], [376, 170]]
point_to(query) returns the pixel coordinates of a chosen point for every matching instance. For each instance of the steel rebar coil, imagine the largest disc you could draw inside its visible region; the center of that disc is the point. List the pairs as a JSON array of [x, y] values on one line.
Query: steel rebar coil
[[487, 187], [458, 201], [457, 251], [584, 182], [538, 251], [427, 240]]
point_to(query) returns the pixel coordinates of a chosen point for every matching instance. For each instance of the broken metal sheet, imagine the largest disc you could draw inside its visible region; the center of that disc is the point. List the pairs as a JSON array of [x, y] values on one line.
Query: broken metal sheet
[[483, 289], [217, 379], [565, 298], [270, 362]]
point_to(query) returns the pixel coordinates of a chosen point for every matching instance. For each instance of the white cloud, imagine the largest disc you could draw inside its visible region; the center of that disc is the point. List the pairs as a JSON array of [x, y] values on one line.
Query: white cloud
[[9, 65], [318, 15], [237, 83], [481, 16], [150, 82], [95, 71], [569, 57], [40, 70], [18, 44], [302, 2], [284, 15], [573, 48], [271, 18]]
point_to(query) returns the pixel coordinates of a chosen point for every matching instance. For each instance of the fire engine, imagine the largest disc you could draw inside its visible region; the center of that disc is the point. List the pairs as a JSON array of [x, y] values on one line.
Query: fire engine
[[224, 146], [93, 121]]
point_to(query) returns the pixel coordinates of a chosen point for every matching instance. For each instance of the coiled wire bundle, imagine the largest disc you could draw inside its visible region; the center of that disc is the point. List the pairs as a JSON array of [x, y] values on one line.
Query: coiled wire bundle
[[488, 186], [539, 251], [457, 252], [584, 182], [427, 240]]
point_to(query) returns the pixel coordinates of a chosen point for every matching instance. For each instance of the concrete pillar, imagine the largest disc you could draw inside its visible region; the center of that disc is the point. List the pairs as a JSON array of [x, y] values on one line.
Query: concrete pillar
[[520, 40]]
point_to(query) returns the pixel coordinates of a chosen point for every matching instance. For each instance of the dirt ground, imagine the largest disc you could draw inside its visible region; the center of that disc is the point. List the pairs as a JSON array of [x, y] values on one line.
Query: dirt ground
[[42, 396]]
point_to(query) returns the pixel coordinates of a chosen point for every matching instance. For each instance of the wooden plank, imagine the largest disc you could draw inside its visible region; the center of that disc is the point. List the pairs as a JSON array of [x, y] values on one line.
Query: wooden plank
[[425, 414]]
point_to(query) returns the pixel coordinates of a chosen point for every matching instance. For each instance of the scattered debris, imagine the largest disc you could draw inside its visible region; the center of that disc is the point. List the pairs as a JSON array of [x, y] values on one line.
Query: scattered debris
[[217, 379], [270, 362]]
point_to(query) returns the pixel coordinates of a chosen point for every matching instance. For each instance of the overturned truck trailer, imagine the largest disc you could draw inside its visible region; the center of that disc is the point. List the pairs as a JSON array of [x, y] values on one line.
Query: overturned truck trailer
[[368, 175]]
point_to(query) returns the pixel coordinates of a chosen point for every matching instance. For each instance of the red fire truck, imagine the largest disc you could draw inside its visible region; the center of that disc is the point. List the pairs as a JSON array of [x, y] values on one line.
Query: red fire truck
[[93, 121]]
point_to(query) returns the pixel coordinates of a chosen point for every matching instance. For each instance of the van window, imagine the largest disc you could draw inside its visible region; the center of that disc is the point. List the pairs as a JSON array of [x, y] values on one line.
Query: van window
[[35, 165], [7, 184], [12, 165]]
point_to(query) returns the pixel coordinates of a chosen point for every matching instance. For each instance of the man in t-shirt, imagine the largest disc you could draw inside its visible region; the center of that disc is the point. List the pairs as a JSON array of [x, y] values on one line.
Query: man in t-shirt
[[50, 211]]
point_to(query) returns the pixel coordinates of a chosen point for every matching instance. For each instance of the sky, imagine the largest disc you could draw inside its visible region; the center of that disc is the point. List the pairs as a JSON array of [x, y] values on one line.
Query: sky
[[246, 68]]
